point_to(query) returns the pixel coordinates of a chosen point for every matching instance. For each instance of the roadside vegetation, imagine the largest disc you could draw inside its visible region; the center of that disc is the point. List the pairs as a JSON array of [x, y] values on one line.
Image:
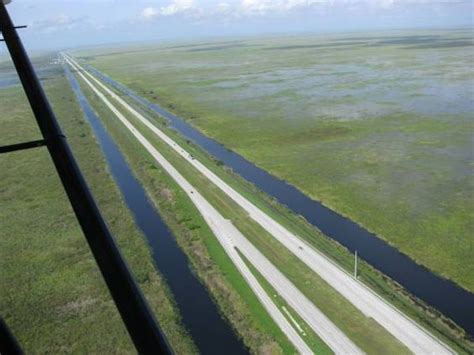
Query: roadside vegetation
[[368, 335], [52, 294], [375, 126]]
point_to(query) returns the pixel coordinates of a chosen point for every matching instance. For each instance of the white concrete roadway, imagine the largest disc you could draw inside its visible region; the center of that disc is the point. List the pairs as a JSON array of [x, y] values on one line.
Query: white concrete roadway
[[417, 339], [231, 238]]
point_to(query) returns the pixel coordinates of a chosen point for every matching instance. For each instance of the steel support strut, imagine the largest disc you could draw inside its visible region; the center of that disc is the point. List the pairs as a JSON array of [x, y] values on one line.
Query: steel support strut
[[22, 146], [132, 305]]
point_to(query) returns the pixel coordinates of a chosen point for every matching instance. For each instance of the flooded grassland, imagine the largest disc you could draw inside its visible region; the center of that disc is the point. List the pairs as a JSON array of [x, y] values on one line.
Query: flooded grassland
[[376, 126]]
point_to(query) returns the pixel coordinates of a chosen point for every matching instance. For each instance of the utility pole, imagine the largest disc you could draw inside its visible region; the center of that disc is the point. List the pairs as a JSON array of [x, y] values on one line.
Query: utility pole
[[355, 265]]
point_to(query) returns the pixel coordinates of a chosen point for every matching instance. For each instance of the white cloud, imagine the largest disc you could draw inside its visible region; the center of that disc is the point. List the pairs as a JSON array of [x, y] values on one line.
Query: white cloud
[[150, 12], [175, 7]]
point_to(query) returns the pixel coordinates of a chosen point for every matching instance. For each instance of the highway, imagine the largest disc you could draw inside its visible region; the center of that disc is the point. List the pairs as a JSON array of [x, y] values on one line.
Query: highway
[[417, 339], [232, 239]]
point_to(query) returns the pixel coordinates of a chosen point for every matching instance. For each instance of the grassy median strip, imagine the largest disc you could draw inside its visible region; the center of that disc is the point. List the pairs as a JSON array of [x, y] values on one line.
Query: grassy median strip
[[52, 294], [307, 334], [209, 260], [367, 334]]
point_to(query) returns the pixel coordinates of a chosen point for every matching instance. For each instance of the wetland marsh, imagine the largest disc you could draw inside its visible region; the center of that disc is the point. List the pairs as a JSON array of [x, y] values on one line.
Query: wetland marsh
[[376, 126]]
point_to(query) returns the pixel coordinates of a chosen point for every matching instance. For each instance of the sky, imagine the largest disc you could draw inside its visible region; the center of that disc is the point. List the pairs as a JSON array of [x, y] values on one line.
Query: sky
[[58, 24]]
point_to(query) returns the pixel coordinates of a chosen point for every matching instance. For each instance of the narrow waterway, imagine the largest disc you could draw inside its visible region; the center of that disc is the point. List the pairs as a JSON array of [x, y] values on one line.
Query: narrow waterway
[[200, 315], [444, 295]]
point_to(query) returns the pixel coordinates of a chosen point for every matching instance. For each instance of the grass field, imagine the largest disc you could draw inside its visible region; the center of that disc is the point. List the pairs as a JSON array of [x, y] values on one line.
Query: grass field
[[377, 126], [177, 210], [52, 295]]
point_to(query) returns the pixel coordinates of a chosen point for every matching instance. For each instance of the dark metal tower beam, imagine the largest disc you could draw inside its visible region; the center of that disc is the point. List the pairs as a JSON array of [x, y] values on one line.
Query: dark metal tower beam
[[131, 303], [8, 343]]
